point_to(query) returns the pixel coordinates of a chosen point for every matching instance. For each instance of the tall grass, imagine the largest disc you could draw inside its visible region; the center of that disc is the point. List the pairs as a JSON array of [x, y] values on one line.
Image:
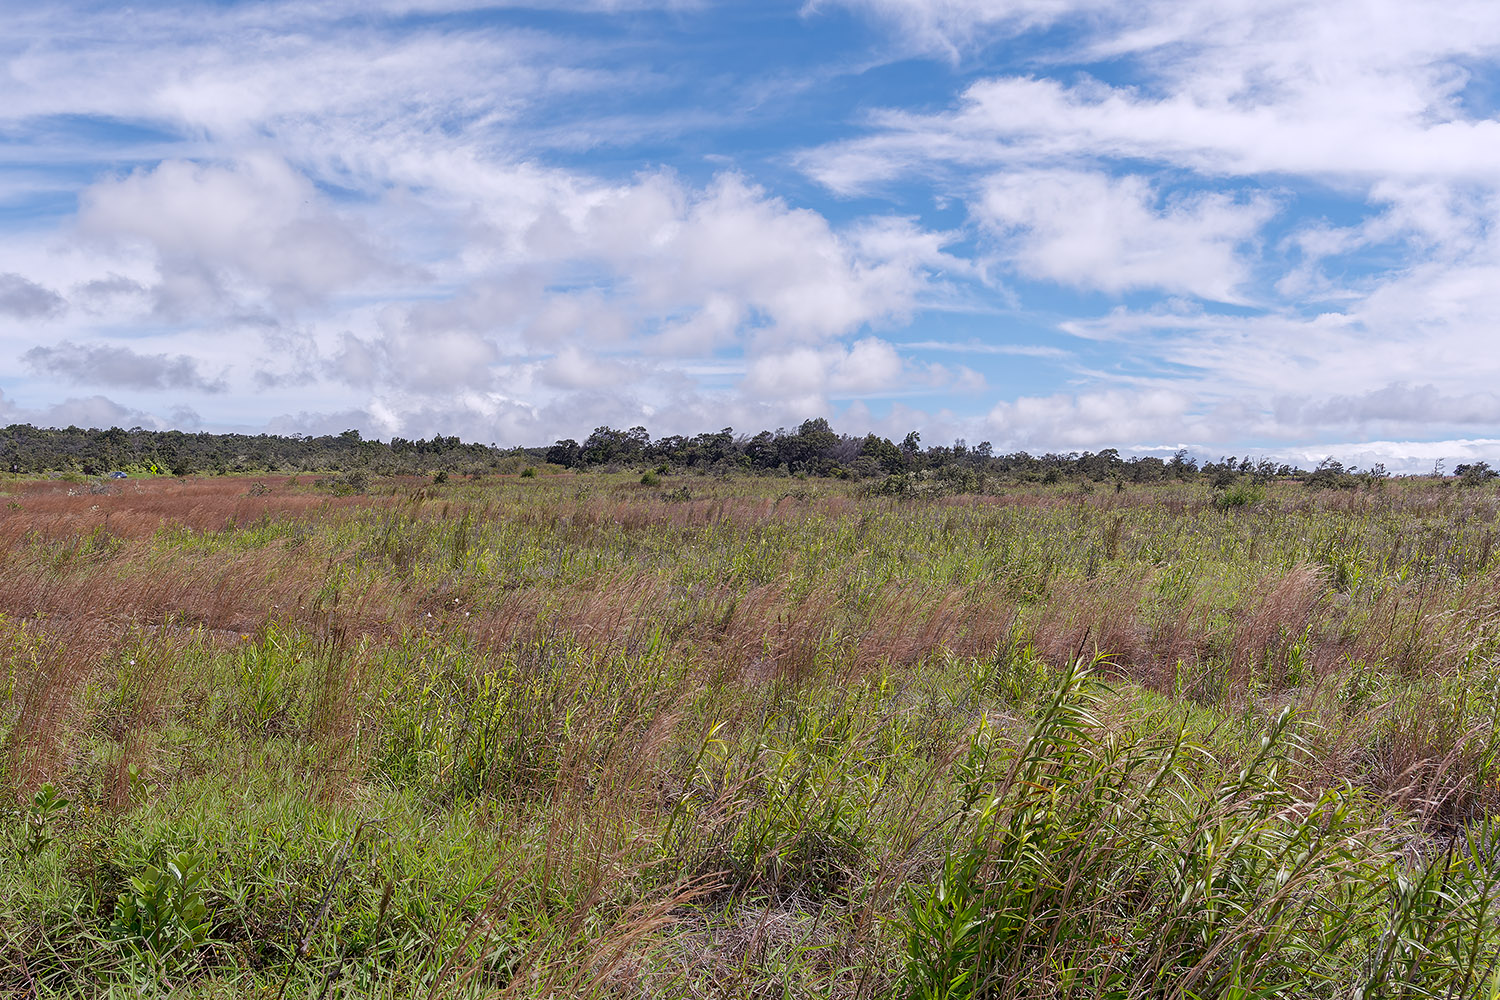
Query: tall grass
[[570, 735]]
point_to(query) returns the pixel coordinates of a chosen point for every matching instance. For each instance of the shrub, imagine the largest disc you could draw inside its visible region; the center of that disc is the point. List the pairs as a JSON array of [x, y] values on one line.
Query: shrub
[[1474, 474], [345, 484], [1331, 475], [1240, 494]]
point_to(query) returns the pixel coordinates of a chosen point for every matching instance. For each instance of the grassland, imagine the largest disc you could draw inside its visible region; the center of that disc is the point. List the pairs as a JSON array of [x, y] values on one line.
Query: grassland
[[572, 735]]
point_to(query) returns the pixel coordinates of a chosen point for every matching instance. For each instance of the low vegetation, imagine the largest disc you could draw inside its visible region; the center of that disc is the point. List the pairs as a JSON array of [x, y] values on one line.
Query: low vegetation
[[661, 734]]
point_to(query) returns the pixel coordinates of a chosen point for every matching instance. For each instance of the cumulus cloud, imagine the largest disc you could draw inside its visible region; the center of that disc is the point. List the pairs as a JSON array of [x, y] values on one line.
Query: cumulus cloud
[[253, 225], [1106, 418], [21, 298], [93, 411], [869, 366], [1398, 404], [102, 364], [108, 294], [714, 259], [1116, 234], [656, 269], [572, 369]]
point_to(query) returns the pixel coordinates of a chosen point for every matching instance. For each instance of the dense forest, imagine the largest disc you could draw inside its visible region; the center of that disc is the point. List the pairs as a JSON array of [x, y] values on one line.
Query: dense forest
[[812, 449]]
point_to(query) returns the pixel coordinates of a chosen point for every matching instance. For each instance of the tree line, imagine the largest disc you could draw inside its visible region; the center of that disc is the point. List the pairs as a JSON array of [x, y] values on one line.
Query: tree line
[[813, 448], [91, 452]]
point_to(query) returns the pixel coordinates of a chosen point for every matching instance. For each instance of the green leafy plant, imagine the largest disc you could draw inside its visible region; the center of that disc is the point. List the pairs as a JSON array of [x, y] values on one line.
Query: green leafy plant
[[266, 682], [162, 919], [1238, 494], [37, 817]]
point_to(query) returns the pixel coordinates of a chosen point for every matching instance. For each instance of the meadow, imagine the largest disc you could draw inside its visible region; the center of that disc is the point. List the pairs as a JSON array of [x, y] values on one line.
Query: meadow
[[576, 735]]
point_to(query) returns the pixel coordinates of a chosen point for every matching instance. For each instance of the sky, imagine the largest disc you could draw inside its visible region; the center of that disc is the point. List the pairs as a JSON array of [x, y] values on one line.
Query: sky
[[1265, 228]]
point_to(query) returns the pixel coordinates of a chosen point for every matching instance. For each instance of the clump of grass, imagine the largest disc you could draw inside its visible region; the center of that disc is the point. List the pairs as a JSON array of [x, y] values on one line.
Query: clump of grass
[[1085, 863]]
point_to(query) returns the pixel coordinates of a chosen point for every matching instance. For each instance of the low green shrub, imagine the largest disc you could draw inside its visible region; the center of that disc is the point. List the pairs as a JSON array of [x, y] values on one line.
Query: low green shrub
[[162, 919]]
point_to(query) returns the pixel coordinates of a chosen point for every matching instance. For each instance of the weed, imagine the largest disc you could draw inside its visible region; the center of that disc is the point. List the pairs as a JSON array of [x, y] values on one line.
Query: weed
[[162, 919], [36, 818]]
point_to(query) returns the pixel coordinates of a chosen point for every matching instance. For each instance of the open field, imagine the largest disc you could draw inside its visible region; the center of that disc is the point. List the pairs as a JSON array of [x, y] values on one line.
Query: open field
[[573, 735]]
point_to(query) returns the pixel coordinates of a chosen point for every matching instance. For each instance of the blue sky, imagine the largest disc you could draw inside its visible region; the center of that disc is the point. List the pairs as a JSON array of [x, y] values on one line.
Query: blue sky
[[1242, 226]]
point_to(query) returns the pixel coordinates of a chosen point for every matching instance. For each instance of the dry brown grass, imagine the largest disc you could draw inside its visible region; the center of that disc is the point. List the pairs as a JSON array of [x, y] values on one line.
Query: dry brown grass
[[1279, 619], [139, 508]]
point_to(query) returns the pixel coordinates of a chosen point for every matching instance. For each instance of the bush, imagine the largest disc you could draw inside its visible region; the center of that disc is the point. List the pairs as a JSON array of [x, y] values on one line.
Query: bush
[[1331, 475], [1474, 474], [345, 484], [1240, 494]]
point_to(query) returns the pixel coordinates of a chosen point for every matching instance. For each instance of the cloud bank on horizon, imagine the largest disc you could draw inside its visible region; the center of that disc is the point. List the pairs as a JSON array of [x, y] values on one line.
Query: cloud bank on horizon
[[1257, 227]]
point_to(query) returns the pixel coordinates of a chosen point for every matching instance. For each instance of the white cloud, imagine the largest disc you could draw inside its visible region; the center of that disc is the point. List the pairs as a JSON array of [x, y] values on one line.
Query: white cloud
[[664, 268], [1091, 420], [215, 229], [239, 71], [572, 368], [949, 27], [869, 366], [706, 258], [1357, 90], [1116, 234], [1025, 121]]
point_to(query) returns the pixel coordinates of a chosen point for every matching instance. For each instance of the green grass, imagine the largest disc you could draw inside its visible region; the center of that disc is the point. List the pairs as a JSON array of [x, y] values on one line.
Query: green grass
[[579, 735]]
